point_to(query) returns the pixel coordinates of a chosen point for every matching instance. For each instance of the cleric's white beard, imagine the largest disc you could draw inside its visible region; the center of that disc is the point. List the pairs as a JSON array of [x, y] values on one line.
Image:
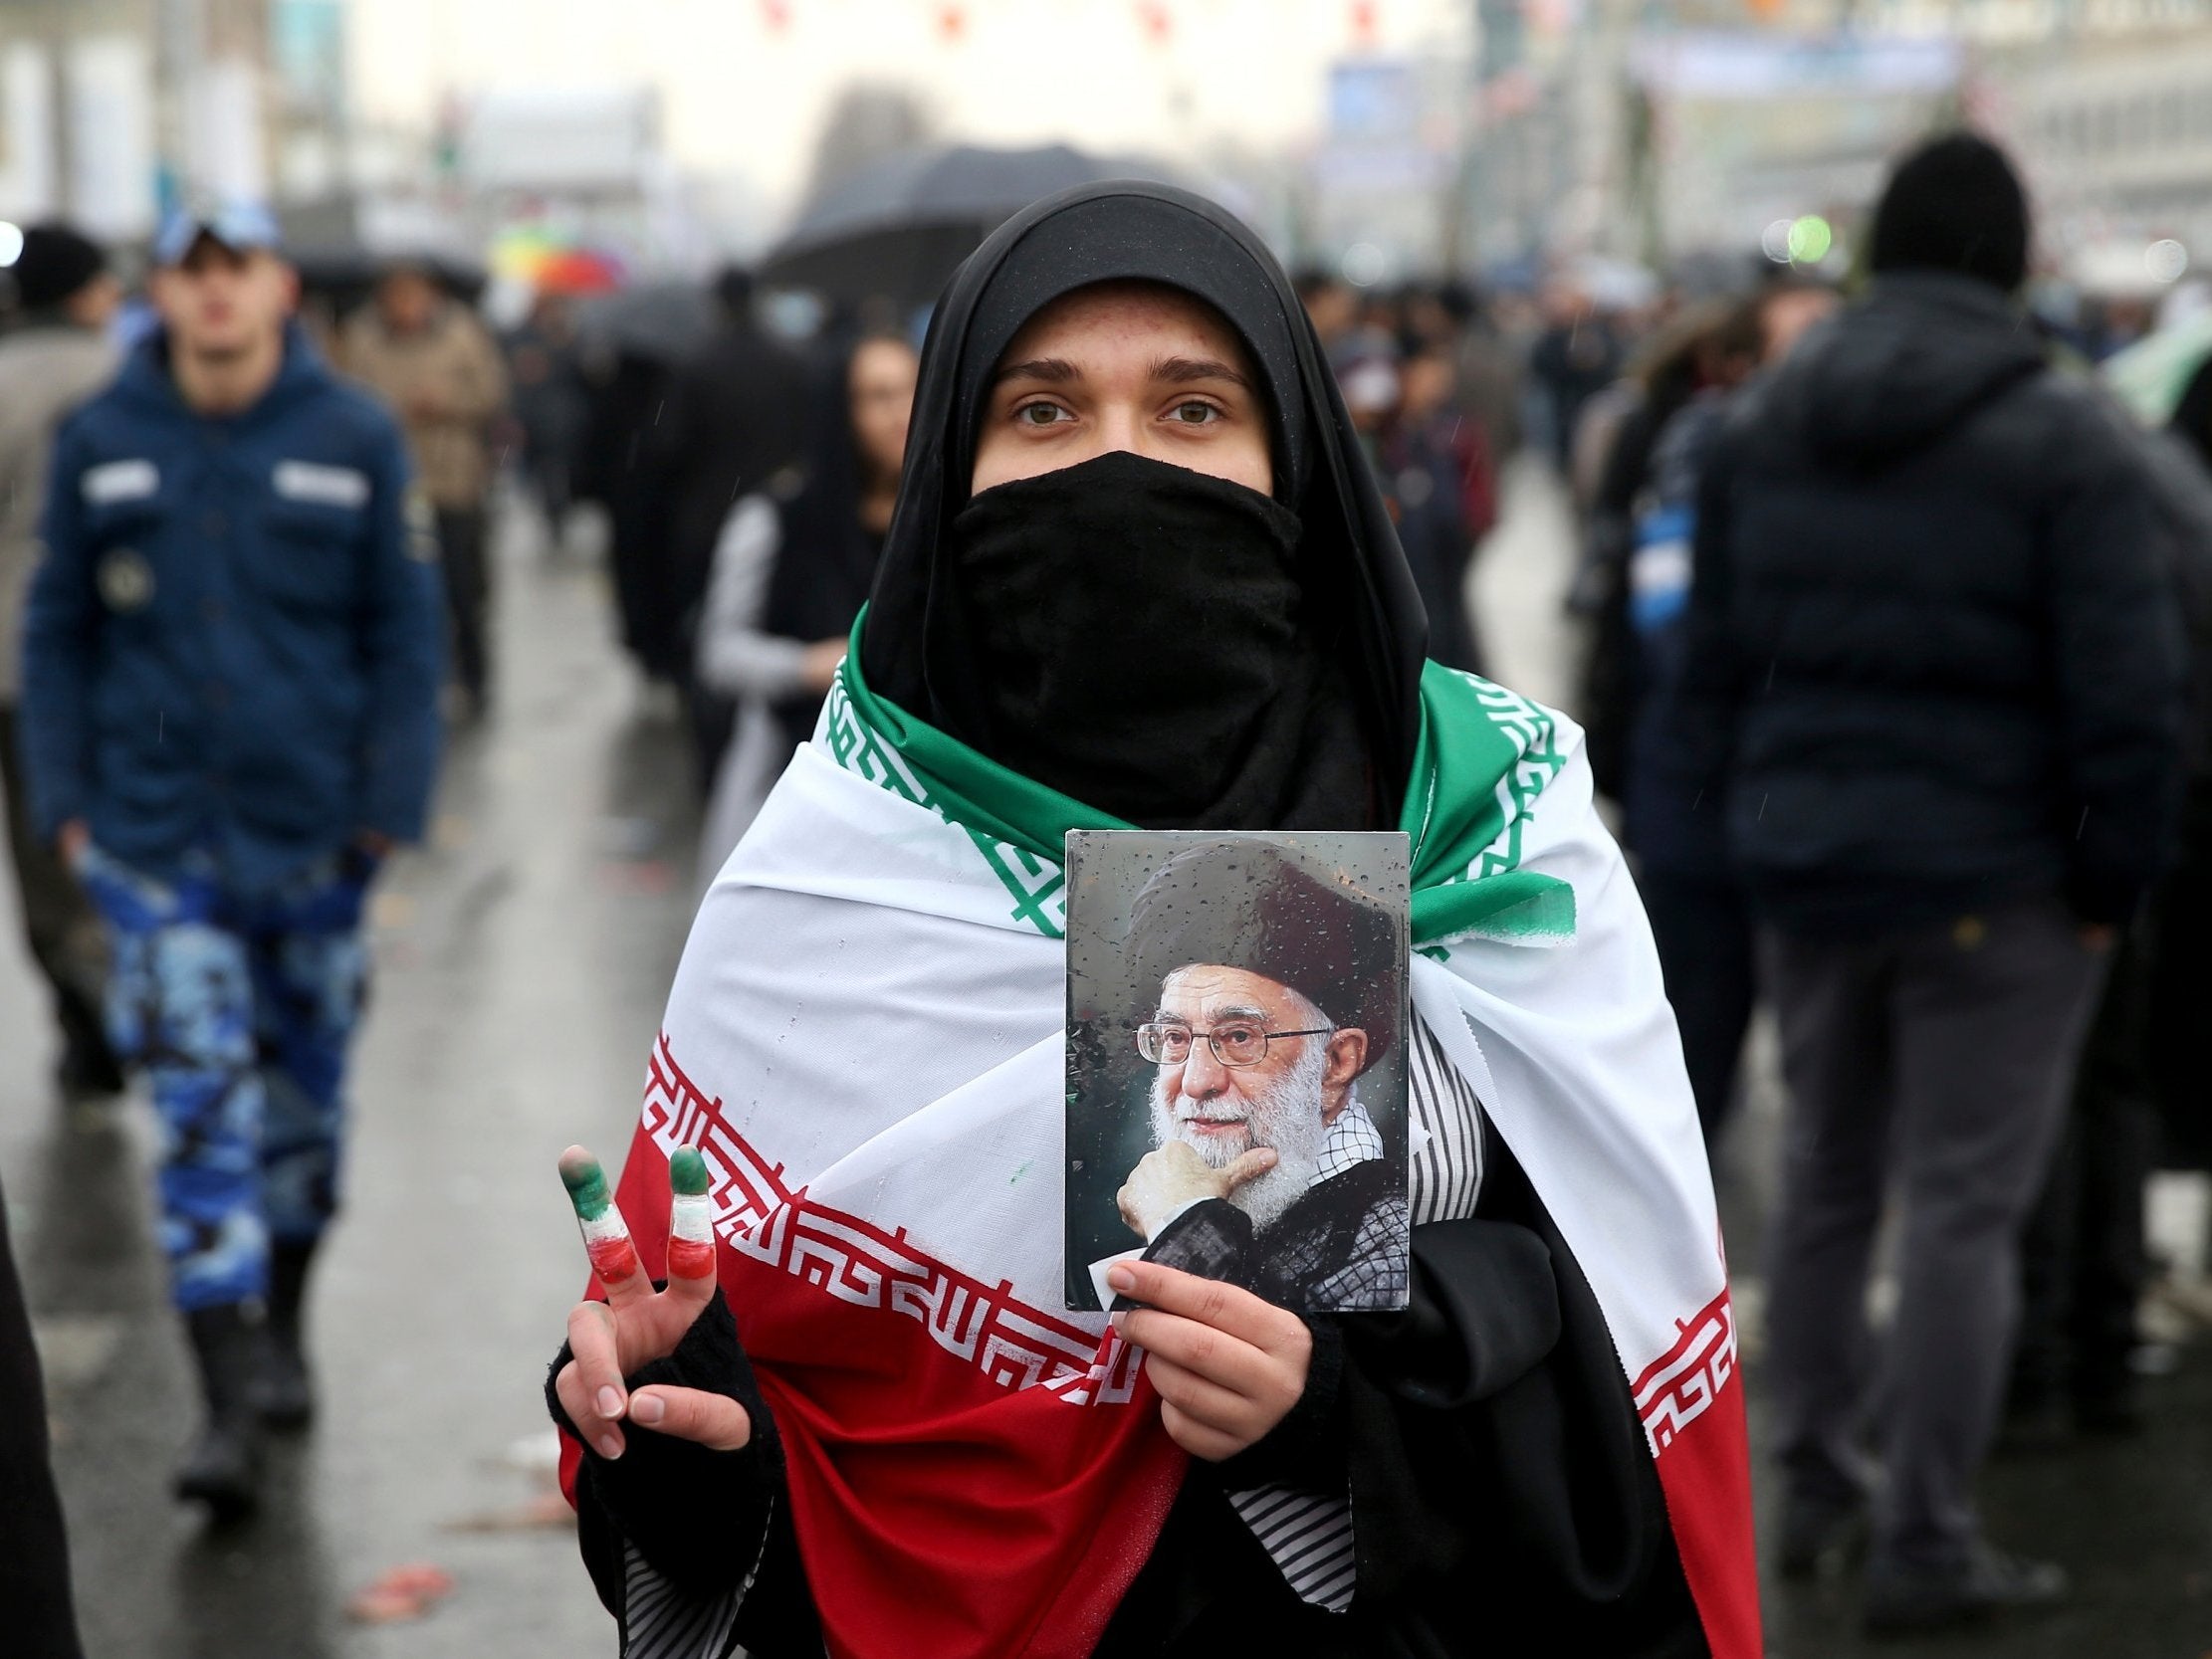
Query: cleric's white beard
[[1285, 1116]]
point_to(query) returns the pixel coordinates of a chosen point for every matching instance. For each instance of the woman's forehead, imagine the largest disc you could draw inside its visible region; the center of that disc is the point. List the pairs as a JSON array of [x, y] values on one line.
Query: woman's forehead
[[1115, 318]]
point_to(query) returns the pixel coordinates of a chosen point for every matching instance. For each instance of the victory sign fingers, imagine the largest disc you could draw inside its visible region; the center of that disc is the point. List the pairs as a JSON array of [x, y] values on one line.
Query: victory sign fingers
[[609, 1340]]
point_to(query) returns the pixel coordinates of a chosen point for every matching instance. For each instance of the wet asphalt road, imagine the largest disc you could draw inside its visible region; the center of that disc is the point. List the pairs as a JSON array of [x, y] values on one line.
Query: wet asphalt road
[[522, 961]]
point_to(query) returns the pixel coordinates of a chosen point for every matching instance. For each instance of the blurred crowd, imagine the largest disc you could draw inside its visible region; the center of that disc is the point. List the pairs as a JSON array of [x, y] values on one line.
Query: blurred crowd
[[1897, 645], [1895, 628]]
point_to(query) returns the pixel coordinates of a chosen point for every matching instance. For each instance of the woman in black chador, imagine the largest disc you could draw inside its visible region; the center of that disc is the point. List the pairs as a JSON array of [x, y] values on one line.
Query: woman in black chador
[[1139, 574]]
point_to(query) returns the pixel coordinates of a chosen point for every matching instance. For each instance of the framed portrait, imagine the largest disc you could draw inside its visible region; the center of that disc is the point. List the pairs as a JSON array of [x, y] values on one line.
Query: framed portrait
[[1236, 1099]]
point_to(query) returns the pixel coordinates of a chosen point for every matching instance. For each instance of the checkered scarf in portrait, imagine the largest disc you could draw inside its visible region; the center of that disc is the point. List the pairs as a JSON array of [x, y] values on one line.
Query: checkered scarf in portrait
[[866, 1040]]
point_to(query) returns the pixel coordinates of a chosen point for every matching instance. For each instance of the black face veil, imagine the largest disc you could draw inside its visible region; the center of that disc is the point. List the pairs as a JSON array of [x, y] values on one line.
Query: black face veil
[[1362, 623]]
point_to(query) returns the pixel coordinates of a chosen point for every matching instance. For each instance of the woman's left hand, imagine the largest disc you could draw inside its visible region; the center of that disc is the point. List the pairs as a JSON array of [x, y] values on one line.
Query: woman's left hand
[[1228, 1365]]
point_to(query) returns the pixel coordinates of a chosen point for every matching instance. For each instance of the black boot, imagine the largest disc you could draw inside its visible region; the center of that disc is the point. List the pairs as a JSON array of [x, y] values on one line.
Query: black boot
[[1817, 1535], [283, 1393], [223, 1468], [1908, 1601], [88, 1069]]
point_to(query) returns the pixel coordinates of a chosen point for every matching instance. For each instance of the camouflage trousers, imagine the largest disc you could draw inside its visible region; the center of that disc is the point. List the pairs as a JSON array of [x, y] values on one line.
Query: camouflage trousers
[[239, 1009]]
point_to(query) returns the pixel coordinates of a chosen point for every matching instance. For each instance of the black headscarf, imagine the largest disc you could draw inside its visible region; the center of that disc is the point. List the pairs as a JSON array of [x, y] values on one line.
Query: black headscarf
[[1362, 619]]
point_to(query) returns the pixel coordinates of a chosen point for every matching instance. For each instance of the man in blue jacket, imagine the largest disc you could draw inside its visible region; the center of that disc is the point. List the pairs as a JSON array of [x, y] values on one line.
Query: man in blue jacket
[[231, 670]]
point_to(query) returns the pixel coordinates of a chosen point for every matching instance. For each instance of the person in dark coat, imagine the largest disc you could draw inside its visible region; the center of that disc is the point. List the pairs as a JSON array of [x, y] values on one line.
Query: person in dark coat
[[34, 1543], [1578, 355], [1420, 481], [1700, 920], [792, 570], [2182, 980], [735, 416], [616, 466], [2137, 1101], [1933, 688], [1440, 477], [57, 354], [544, 368], [1708, 349]]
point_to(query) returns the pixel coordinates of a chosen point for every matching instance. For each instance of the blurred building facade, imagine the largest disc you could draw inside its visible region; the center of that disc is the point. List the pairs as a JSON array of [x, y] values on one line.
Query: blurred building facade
[[110, 109], [2115, 128], [1453, 135]]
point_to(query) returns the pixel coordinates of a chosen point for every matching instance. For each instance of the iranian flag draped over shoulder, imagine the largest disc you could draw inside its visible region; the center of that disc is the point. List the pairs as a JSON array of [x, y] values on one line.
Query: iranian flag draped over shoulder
[[865, 1039]]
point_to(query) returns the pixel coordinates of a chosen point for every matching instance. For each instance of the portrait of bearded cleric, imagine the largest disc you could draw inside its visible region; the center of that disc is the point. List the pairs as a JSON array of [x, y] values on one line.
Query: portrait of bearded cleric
[[1256, 1067]]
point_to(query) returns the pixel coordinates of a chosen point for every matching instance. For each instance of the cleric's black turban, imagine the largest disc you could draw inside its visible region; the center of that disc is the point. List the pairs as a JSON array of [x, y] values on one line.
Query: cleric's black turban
[[1263, 908]]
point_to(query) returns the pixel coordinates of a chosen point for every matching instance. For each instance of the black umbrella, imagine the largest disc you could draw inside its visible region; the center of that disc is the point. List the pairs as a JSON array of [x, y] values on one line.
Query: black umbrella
[[663, 320], [896, 229], [347, 272]]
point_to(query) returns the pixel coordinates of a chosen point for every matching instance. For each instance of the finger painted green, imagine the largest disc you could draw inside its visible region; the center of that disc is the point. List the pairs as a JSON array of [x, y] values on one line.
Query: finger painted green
[[687, 1172], [587, 1187]]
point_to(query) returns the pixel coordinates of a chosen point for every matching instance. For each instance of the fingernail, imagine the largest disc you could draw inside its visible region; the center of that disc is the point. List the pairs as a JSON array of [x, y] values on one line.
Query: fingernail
[[610, 1403], [647, 1409], [1121, 1279], [610, 1446]]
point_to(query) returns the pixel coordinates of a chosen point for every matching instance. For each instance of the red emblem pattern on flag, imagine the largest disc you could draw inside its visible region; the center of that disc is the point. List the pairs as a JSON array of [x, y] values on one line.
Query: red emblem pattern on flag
[[880, 1423], [1694, 1422], [1679, 1388], [946, 1500], [758, 1215]]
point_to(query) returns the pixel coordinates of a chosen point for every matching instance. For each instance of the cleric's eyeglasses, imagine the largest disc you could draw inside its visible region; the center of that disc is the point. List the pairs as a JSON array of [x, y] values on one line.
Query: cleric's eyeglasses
[[1236, 1045]]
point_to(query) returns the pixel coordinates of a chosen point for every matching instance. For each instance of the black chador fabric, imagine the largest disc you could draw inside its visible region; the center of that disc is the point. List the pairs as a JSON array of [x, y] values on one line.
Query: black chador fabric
[[1503, 1499], [1361, 626], [1123, 610]]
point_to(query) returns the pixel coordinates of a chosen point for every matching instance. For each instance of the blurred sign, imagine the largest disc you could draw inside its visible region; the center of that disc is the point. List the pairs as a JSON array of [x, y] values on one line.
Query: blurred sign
[[1767, 66], [1388, 152], [226, 144], [28, 165], [1504, 35], [110, 135], [602, 140], [307, 41], [1374, 100]]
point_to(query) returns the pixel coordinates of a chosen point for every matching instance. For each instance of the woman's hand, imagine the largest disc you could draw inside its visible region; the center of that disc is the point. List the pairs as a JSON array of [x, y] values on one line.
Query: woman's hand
[[1228, 1365], [637, 1325]]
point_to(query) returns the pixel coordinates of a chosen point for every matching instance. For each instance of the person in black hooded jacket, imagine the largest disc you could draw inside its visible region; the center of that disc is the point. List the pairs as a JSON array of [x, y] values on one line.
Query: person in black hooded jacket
[[1934, 690]]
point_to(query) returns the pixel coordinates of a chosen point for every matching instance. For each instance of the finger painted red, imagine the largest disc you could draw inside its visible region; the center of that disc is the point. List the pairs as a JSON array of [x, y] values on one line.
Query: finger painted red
[[691, 1237], [606, 1237]]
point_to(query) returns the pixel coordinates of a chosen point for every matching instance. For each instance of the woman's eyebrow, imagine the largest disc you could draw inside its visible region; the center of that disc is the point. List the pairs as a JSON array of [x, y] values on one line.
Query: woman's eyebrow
[[1053, 371], [1182, 370]]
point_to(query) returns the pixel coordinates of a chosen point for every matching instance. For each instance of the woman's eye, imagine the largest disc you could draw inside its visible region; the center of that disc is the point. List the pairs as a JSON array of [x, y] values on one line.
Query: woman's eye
[[1039, 414], [1195, 414]]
